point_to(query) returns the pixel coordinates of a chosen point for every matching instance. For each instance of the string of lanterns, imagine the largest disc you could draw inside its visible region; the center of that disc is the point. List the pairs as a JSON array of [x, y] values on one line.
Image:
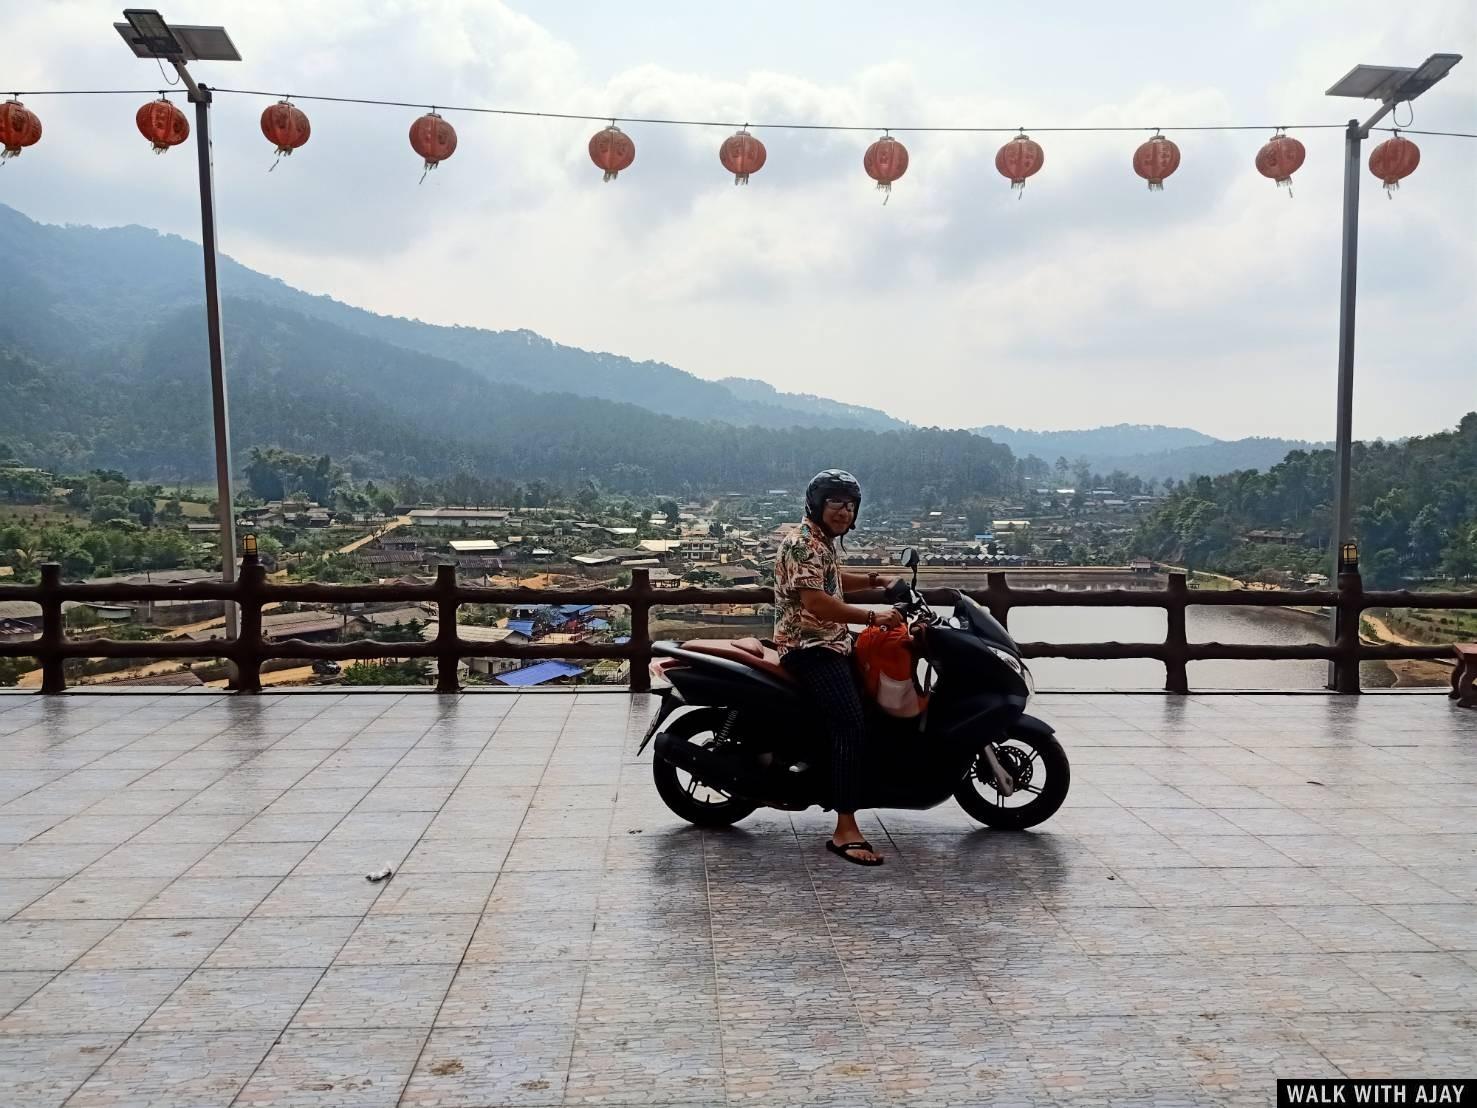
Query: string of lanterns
[[286, 126]]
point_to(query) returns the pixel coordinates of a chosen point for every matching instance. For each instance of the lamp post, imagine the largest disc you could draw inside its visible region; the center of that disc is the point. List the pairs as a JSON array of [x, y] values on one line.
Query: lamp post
[[149, 36], [1390, 85]]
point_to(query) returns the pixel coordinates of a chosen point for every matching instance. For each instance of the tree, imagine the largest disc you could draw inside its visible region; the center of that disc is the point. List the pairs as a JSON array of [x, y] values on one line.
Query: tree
[[413, 671], [1425, 538], [11, 670], [23, 488], [410, 631], [77, 564], [702, 577], [1459, 558], [99, 546]]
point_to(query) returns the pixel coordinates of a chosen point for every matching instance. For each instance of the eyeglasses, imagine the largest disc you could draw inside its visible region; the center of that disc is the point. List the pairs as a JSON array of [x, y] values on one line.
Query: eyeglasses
[[842, 505]]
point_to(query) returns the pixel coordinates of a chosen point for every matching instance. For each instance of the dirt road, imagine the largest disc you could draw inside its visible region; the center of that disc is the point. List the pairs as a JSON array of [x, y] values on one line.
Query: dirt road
[[398, 521], [1411, 673], [298, 675], [1388, 633]]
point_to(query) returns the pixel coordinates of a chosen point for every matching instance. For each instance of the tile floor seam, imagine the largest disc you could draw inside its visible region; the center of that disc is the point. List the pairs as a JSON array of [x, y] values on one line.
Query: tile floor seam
[[599, 900], [713, 945], [451, 982], [130, 1036], [836, 953]]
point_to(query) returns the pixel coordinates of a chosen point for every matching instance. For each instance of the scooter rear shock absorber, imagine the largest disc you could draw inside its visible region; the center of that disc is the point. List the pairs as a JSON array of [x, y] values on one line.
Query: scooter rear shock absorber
[[725, 729]]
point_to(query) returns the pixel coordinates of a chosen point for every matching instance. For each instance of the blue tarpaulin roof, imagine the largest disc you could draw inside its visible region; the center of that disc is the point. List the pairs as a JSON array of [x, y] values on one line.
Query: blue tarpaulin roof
[[574, 609], [598, 625], [538, 673], [523, 625]]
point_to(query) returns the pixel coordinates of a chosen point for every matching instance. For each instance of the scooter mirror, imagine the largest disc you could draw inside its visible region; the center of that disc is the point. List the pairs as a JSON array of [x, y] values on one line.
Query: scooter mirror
[[910, 558]]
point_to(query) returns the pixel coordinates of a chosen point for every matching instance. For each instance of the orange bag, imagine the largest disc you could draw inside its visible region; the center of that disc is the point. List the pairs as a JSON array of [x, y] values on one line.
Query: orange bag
[[889, 671]]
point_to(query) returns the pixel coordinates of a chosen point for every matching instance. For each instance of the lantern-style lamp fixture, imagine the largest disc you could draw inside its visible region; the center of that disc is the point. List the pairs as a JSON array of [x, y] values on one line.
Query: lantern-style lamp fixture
[[1349, 557]]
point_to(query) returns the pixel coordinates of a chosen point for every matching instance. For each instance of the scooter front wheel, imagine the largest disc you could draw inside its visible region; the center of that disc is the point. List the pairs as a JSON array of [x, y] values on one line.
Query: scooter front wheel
[[684, 794], [1038, 768]]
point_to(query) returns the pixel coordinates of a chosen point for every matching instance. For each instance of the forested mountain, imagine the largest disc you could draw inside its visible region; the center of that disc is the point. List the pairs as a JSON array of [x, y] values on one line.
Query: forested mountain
[[1415, 510], [78, 287], [1151, 452], [143, 406]]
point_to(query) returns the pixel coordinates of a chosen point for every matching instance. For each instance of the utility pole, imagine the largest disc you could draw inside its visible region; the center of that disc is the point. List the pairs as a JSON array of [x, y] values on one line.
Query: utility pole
[[1390, 85]]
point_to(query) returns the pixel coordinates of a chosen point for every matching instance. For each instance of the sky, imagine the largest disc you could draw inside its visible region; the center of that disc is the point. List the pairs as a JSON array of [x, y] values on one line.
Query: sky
[[1087, 301]]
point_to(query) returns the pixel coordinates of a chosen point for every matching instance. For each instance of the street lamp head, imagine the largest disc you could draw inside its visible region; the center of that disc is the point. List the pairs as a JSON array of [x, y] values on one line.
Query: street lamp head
[[149, 36], [1427, 74], [1392, 83]]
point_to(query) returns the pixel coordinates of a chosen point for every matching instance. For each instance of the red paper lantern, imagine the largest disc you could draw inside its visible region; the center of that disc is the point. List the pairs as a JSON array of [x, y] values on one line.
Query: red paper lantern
[[285, 126], [742, 154], [1156, 160], [19, 128], [433, 139], [162, 124], [1280, 159], [1393, 159], [1018, 159], [885, 161], [612, 150]]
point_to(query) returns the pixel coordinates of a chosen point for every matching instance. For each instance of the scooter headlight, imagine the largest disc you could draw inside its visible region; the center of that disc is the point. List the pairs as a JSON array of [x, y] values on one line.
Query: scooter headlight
[[1018, 666]]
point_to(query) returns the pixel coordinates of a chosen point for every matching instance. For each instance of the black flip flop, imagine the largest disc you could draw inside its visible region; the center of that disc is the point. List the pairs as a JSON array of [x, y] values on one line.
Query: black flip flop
[[845, 849]]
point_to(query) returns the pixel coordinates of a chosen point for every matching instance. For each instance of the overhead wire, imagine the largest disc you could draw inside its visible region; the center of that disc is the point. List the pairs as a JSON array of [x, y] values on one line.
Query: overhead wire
[[664, 121]]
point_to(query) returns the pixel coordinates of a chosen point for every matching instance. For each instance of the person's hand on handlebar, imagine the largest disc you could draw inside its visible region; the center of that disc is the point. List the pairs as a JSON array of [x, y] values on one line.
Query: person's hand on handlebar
[[887, 618]]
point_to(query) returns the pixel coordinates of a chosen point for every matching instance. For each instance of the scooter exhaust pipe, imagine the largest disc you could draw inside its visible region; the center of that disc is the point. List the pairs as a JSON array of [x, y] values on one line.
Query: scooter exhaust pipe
[[706, 766]]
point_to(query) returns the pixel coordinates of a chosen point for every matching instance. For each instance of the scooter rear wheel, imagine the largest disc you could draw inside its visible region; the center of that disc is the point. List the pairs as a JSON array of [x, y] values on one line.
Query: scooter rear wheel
[[1042, 775], [681, 792]]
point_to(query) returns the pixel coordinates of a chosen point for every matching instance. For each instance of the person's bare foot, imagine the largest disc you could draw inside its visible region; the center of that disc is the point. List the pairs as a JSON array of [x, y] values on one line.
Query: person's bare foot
[[848, 834]]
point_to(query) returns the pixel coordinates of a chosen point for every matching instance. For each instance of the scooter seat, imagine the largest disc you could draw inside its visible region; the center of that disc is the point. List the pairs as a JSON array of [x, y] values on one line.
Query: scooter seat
[[751, 652]]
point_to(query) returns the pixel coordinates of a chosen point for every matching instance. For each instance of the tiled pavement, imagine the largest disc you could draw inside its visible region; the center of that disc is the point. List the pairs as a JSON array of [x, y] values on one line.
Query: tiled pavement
[[1239, 887]]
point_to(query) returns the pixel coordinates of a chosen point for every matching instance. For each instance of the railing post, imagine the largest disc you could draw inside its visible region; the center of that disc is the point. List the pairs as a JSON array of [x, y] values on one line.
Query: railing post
[[640, 605], [1176, 641], [53, 630], [248, 654], [997, 595], [1350, 605], [446, 652]]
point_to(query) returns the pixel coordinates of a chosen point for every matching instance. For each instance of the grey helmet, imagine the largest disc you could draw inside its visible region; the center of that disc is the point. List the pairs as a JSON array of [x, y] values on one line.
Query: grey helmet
[[832, 484]]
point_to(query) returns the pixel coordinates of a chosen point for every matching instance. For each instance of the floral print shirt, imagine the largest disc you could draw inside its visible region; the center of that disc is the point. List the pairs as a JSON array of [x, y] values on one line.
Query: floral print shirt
[[806, 560]]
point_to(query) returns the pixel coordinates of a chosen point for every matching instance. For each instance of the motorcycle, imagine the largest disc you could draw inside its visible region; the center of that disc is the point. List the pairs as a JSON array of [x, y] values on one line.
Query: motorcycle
[[735, 733]]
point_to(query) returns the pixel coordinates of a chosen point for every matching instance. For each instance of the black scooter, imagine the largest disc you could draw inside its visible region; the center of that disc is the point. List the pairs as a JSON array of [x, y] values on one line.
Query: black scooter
[[735, 733]]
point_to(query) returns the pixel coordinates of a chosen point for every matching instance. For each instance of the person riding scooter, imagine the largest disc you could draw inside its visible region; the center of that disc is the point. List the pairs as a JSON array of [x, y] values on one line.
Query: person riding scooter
[[814, 641]]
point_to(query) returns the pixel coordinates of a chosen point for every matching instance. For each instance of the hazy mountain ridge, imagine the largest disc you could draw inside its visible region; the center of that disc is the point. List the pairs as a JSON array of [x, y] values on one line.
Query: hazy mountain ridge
[[103, 284], [1150, 451]]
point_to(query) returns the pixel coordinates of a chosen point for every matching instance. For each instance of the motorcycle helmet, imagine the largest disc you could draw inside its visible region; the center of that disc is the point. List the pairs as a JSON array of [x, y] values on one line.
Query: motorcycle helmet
[[832, 484]]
